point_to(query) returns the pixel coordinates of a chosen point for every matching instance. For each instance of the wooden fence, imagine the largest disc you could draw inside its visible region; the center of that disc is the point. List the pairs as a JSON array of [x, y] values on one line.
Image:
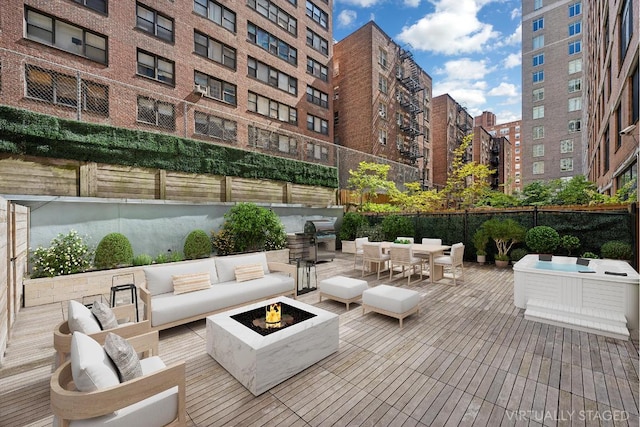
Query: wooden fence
[[14, 244]]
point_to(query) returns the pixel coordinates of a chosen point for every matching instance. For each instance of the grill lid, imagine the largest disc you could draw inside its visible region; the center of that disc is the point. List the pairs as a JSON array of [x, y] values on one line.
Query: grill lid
[[319, 227]]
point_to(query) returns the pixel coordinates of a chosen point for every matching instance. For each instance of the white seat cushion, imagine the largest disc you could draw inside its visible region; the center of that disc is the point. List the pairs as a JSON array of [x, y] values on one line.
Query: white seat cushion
[[159, 279], [81, 319], [91, 367], [445, 259], [226, 265], [391, 298], [342, 287]]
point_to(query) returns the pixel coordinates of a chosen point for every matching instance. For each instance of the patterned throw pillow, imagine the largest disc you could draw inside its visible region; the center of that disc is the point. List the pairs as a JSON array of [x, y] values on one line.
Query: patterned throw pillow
[[248, 272], [105, 315], [183, 283], [123, 356]]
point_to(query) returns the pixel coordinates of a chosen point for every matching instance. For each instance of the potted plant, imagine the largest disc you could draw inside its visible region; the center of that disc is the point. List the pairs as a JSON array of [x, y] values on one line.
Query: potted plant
[[480, 240], [505, 233], [569, 243], [352, 222], [517, 254], [616, 249], [542, 239]]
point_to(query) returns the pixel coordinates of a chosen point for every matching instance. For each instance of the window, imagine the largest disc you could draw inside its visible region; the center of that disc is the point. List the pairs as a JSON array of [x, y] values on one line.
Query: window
[[213, 49], [216, 88], [575, 9], [270, 108], [566, 146], [575, 85], [618, 126], [537, 4], [575, 28], [382, 84], [538, 132], [574, 125], [517, 151], [635, 96], [566, 165], [382, 136], [317, 69], [272, 44], [317, 152], [575, 104], [270, 10], [538, 168], [273, 141], [153, 22], [156, 113], [382, 58], [216, 127], [626, 27], [317, 97], [575, 66], [629, 174], [538, 94], [607, 150], [318, 15], [538, 24], [316, 42], [538, 76], [155, 67], [538, 59], [538, 42], [217, 13], [382, 110], [575, 47], [538, 150], [62, 89], [97, 5], [317, 124], [271, 76], [61, 35], [538, 112]]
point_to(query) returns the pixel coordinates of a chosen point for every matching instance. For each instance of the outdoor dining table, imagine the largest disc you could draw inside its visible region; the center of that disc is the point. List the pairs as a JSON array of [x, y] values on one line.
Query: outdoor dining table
[[436, 272]]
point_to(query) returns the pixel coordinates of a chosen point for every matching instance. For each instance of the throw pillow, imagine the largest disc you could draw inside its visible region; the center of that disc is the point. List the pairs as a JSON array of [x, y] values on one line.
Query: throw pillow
[[124, 356], [91, 367], [183, 283], [248, 272], [105, 315], [81, 319]]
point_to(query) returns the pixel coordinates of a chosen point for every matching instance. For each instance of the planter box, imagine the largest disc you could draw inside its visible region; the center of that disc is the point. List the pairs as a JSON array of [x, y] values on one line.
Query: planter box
[[49, 290]]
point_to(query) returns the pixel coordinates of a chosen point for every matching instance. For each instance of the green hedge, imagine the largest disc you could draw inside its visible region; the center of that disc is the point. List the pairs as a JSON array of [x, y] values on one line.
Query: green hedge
[[33, 134]]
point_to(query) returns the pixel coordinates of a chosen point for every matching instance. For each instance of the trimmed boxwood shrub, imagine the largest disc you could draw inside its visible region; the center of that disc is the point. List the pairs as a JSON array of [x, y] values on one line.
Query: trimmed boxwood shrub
[[113, 250], [394, 226], [616, 249], [197, 245], [542, 239]]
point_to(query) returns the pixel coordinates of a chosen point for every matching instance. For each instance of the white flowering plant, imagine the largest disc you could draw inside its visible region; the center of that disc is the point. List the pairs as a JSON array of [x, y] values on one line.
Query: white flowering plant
[[67, 254]]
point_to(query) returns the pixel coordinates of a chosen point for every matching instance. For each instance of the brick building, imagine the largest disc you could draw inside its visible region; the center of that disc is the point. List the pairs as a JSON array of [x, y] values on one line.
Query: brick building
[[495, 152], [511, 131]]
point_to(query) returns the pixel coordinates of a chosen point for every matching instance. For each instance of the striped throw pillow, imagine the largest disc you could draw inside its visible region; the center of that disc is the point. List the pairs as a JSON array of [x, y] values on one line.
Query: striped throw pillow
[[183, 283], [248, 272]]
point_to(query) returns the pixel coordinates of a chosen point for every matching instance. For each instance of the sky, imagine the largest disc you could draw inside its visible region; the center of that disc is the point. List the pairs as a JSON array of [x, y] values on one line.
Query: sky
[[470, 48]]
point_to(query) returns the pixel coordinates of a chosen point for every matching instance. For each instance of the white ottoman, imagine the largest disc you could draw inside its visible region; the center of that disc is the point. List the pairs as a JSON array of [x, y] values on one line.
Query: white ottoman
[[391, 301], [342, 289]]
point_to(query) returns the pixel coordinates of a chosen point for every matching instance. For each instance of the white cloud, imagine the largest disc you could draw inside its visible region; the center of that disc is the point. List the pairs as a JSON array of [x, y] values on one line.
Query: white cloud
[[452, 29], [507, 116], [412, 3], [515, 13], [359, 3], [468, 94], [512, 60], [346, 18], [464, 69], [504, 89], [515, 38]]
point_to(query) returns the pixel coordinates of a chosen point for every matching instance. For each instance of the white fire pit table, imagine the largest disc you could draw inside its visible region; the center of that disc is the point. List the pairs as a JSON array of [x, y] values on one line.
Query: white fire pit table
[[261, 362]]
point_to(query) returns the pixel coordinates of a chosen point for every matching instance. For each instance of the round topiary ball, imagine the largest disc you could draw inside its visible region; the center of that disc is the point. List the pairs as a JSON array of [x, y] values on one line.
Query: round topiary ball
[[197, 245], [616, 249], [113, 250], [542, 239]]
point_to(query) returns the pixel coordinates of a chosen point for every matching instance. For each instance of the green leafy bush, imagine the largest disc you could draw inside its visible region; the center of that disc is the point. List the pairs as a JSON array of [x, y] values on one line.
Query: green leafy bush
[[395, 225], [518, 253], [480, 241], [590, 255], [142, 259], [352, 223], [373, 232], [197, 245], [616, 249], [569, 243], [113, 250], [161, 259], [67, 254], [542, 239], [505, 233]]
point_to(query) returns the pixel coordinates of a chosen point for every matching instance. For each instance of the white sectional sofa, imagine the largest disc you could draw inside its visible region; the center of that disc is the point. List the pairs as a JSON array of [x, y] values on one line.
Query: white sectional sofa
[[165, 308]]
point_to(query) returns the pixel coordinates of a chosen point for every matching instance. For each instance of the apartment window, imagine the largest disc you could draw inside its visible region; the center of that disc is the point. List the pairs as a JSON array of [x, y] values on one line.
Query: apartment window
[[97, 5], [62, 35], [575, 104], [626, 27], [635, 96], [217, 13], [153, 22], [575, 28], [566, 165], [317, 124], [62, 89], [538, 132], [216, 127], [272, 76], [271, 108], [538, 42], [504, 131], [317, 69], [399, 119], [538, 168], [336, 119], [575, 47], [538, 112], [213, 49], [399, 141], [317, 97], [618, 126], [574, 125], [538, 94], [272, 44], [566, 146], [155, 67], [538, 59], [216, 88], [382, 84], [538, 24], [318, 15], [606, 149], [538, 150], [156, 113], [517, 151], [517, 136], [575, 66], [382, 136], [316, 42], [537, 4], [273, 141], [271, 11], [382, 110], [382, 58], [538, 76], [630, 174], [575, 9], [317, 152], [575, 85]]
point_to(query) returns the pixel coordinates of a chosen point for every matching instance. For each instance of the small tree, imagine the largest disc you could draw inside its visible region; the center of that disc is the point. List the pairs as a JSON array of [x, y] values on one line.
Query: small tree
[[505, 233], [369, 179], [569, 243]]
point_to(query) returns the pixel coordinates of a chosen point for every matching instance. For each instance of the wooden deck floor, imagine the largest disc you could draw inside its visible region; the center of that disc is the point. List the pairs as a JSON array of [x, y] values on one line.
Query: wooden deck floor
[[469, 358]]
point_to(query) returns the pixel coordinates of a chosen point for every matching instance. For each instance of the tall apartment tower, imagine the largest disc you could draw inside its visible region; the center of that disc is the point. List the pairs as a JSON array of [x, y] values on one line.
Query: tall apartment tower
[[382, 101], [254, 74], [552, 89], [612, 97]]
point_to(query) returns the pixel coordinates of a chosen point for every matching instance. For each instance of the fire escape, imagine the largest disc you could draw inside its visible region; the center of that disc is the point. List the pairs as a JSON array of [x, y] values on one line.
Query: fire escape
[[494, 162], [410, 102]]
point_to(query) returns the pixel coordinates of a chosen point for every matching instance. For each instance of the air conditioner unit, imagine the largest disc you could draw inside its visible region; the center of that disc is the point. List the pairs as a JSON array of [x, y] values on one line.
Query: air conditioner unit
[[202, 90]]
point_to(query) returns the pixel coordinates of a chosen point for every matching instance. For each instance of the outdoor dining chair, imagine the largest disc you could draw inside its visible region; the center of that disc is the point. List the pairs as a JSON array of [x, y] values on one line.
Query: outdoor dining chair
[[372, 254], [402, 255], [453, 260]]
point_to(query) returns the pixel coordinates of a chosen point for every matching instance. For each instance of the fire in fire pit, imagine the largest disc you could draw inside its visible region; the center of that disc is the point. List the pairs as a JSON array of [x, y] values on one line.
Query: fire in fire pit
[[272, 318]]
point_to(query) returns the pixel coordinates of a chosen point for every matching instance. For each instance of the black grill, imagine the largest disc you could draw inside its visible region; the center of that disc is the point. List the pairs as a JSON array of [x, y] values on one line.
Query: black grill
[[320, 239]]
